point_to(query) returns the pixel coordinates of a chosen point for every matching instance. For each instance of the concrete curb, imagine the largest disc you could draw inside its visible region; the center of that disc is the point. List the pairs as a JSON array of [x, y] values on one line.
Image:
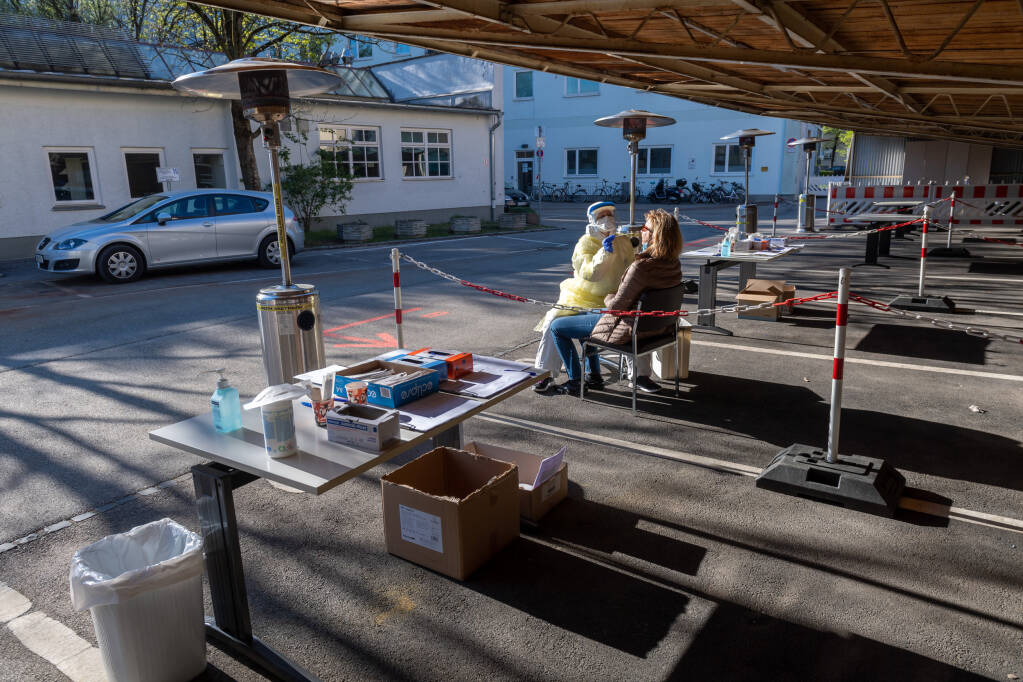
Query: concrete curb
[[453, 237]]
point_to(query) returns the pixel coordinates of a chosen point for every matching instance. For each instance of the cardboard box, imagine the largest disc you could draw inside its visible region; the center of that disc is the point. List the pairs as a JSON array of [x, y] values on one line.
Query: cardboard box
[[362, 426], [450, 510], [388, 396], [759, 291], [458, 364], [423, 363], [543, 481]]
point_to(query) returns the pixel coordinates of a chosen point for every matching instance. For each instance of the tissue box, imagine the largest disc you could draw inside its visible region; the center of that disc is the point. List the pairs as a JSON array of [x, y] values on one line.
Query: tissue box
[[362, 426], [458, 364], [450, 510], [765, 291], [543, 481], [389, 396]]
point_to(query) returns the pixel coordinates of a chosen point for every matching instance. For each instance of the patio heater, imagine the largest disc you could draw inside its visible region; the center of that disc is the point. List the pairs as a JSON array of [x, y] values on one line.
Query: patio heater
[[289, 314], [807, 201], [746, 214], [634, 123]]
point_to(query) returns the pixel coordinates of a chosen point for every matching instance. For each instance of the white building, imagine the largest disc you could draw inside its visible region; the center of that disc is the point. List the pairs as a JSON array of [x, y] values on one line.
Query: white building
[[88, 127]]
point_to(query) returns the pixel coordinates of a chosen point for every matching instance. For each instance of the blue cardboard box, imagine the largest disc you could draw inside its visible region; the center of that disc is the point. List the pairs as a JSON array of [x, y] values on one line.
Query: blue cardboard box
[[423, 362], [389, 396]]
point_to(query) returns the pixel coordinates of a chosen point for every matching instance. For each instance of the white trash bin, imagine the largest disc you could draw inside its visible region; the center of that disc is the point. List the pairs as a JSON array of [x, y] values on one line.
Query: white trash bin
[[144, 590]]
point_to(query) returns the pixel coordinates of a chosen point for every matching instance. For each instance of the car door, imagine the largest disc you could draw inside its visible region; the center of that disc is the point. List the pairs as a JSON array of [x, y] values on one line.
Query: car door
[[240, 219], [190, 233]]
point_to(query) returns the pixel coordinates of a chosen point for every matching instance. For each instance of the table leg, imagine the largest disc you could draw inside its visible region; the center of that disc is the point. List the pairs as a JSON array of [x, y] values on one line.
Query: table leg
[[451, 438], [884, 247], [747, 271], [870, 255], [230, 629], [707, 298]]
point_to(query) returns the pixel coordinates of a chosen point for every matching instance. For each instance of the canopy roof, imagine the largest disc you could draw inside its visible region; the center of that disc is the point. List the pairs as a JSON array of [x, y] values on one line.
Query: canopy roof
[[949, 69]]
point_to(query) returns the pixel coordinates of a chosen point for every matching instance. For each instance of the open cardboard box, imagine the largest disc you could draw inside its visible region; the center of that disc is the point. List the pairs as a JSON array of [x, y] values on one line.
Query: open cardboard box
[[450, 510], [759, 291], [543, 481]]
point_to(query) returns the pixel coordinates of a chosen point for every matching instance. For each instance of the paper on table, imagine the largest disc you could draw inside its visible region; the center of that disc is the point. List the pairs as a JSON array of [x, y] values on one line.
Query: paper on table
[[548, 468], [489, 377], [433, 410]]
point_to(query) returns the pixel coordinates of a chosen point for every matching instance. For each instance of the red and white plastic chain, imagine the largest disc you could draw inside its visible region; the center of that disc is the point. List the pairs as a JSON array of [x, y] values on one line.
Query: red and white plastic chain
[[839, 235], [736, 308], [972, 331]]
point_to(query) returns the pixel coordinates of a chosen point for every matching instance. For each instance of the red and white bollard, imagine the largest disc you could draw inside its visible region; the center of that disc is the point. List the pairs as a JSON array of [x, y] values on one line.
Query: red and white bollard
[[396, 277], [923, 251], [841, 318], [951, 219], [774, 220]]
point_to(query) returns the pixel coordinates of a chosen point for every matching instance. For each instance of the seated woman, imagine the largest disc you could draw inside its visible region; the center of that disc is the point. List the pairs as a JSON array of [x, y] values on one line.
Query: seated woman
[[657, 267]]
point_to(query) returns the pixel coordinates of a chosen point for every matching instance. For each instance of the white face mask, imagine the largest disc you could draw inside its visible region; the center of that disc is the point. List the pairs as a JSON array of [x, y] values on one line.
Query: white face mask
[[605, 225]]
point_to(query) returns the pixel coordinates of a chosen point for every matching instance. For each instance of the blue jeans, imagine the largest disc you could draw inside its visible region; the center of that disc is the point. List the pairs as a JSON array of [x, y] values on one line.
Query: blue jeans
[[571, 327]]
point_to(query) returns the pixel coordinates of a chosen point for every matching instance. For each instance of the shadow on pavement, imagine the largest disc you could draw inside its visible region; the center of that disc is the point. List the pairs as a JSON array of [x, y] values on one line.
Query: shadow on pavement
[[739, 644], [571, 593], [926, 343]]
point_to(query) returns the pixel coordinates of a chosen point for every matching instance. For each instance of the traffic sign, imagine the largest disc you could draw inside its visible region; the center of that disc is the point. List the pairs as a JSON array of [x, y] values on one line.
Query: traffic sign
[[541, 142], [539, 153]]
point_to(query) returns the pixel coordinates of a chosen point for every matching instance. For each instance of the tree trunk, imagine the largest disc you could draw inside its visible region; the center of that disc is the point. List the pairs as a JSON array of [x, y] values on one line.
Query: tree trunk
[[243, 140]]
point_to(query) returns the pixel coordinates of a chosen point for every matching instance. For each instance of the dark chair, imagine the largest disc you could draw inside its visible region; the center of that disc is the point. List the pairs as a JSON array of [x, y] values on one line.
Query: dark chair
[[657, 332]]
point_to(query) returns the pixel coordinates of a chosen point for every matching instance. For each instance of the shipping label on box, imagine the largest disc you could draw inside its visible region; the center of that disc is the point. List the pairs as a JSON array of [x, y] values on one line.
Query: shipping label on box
[[425, 530]]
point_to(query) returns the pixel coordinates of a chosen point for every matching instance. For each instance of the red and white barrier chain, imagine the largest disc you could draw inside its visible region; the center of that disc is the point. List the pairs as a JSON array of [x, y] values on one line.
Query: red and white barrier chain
[[737, 308], [838, 235]]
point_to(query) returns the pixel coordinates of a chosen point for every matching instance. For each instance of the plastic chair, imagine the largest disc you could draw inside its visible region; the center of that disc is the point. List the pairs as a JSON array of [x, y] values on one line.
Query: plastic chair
[[658, 333]]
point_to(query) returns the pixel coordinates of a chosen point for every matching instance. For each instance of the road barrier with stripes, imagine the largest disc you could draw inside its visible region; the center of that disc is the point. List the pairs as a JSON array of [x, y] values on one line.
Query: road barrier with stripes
[[976, 204]]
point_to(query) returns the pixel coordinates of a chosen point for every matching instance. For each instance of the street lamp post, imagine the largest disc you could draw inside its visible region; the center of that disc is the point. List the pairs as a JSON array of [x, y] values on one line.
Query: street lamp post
[[634, 123], [807, 201], [746, 214], [289, 314]]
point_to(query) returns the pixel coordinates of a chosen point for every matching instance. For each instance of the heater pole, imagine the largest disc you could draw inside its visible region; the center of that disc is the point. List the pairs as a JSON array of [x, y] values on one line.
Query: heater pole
[[634, 160], [271, 138]]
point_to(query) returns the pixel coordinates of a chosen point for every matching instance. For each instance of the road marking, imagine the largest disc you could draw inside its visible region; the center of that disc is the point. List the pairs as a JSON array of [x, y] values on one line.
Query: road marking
[[977, 280], [439, 313], [858, 361], [996, 312], [371, 319], [910, 503], [59, 645], [523, 239], [64, 289], [12, 603]]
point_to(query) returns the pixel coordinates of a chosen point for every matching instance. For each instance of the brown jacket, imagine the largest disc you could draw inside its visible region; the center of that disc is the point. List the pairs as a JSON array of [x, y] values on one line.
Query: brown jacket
[[644, 273]]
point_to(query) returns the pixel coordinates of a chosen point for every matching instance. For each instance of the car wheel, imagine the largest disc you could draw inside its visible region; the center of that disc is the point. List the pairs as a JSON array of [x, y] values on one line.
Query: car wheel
[[270, 255], [120, 263]]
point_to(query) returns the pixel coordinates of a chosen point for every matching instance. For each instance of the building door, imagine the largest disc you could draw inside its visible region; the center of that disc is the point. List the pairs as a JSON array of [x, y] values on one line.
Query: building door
[[525, 175]]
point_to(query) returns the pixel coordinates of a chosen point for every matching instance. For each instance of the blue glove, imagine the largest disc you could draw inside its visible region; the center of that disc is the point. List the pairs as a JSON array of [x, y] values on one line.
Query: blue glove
[[609, 244]]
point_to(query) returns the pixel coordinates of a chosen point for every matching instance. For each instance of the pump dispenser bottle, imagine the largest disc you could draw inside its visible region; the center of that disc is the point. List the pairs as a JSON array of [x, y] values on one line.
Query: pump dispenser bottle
[[227, 409]]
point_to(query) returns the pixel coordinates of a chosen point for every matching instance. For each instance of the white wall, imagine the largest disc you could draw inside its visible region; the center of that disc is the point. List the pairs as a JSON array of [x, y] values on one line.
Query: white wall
[[467, 188], [942, 161], [568, 123], [33, 118]]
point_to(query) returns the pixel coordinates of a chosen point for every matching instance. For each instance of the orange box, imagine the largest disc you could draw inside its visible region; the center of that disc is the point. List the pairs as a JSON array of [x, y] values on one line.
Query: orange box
[[459, 364]]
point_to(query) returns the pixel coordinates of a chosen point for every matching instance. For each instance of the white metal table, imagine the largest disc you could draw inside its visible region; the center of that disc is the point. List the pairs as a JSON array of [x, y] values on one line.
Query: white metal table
[[714, 261], [238, 458]]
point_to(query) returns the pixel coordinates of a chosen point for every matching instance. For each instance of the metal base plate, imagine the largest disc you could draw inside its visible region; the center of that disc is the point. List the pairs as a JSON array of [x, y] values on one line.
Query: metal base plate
[[854, 482], [948, 252], [926, 304]]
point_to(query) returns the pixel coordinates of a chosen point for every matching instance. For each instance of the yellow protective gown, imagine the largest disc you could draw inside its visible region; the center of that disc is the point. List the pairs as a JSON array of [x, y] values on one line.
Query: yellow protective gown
[[596, 273]]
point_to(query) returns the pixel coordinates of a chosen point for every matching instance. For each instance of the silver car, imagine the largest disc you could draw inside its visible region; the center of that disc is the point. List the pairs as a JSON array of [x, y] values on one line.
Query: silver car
[[171, 228]]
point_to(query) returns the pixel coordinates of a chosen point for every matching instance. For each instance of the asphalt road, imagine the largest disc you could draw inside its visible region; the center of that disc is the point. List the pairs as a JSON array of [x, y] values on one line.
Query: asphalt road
[[654, 569]]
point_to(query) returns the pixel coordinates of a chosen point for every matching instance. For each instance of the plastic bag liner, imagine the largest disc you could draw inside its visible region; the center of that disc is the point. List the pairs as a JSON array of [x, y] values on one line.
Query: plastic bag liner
[[146, 558]]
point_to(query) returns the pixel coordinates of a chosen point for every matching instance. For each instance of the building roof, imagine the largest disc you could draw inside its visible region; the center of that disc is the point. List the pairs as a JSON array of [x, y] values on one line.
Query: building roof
[[950, 69]]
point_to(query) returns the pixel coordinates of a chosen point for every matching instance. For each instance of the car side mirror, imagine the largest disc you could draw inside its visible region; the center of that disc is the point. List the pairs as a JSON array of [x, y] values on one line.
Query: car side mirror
[[163, 218]]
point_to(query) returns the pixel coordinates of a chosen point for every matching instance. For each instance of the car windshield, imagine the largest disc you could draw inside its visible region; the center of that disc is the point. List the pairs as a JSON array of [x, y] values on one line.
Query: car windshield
[[133, 209]]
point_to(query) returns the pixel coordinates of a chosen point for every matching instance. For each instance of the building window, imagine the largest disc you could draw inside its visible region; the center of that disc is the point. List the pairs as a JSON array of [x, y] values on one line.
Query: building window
[[580, 162], [141, 165], [425, 153], [351, 150], [654, 161], [73, 173], [575, 87], [363, 49], [728, 158], [523, 85], [400, 48], [209, 170]]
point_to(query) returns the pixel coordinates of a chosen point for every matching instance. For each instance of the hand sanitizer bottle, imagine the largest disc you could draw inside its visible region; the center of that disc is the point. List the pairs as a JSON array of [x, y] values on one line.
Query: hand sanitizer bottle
[[726, 246], [227, 409]]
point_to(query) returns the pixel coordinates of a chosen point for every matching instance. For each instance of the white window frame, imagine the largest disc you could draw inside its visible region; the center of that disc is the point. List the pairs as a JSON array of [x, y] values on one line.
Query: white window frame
[[222, 152], [646, 171], [96, 201], [348, 129], [713, 154], [577, 174], [357, 45], [143, 150], [515, 86], [569, 79], [449, 145]]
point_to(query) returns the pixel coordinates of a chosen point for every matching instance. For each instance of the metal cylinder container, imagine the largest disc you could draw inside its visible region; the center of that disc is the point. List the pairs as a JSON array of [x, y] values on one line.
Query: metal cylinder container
[[746, 218], [290, 331], [805, 218]]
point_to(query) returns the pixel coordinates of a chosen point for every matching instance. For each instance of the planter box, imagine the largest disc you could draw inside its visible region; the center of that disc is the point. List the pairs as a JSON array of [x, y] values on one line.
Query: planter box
[[465, 224], [511, 221], [410, 228], [355, 232]]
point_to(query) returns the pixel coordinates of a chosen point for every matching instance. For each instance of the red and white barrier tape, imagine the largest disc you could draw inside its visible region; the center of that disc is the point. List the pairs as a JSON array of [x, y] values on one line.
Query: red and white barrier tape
[[838, 235], [972, 331]]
